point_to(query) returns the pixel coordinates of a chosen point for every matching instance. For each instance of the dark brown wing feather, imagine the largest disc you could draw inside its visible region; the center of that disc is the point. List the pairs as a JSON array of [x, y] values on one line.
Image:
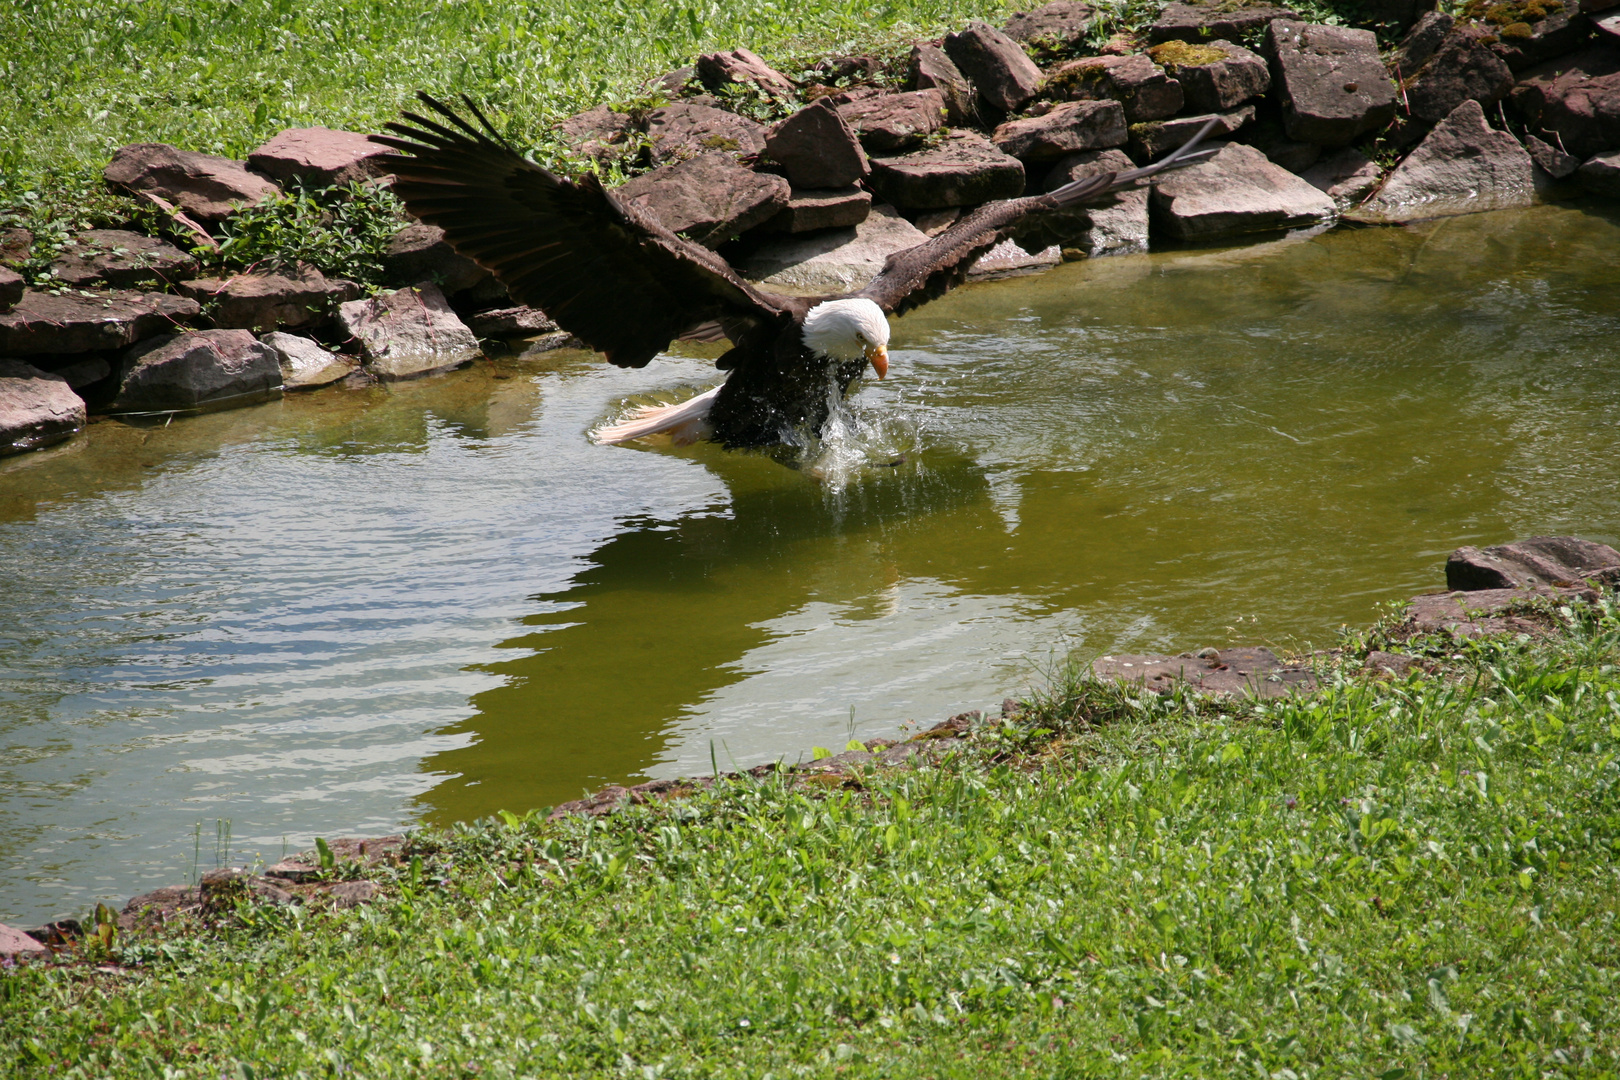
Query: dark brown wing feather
[[603, 271], [926, 272]]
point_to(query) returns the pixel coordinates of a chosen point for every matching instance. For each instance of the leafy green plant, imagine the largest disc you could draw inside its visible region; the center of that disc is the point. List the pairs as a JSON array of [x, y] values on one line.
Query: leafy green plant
[[342, 230]]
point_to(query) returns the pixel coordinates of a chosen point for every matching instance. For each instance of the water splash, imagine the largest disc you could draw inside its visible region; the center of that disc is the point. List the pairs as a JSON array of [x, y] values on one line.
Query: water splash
[[855, 439]]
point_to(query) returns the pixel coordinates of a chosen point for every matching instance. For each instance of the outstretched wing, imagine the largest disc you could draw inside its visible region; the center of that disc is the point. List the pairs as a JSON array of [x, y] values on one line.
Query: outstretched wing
[[605, 272], [926, 272]]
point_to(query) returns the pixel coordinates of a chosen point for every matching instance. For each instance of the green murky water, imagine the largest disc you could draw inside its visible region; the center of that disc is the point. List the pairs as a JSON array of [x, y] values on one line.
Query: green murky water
[[352, 610]]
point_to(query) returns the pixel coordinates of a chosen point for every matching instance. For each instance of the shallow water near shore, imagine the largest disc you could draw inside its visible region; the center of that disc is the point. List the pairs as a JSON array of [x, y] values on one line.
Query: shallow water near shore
[[352, 610]]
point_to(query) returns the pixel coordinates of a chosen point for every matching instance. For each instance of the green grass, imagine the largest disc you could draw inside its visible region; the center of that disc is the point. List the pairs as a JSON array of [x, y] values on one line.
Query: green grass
[[1406, 879]]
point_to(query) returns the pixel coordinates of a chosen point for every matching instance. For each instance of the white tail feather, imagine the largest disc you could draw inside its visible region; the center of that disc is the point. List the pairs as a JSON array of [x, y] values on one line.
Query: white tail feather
[[686, 423]]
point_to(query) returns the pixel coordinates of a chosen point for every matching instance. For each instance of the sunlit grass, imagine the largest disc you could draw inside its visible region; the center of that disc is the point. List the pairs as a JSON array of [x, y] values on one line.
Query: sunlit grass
[[1388, 880]]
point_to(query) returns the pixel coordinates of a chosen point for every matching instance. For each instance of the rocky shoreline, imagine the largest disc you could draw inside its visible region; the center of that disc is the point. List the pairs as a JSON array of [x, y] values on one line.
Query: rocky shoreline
[[809, 183], [1505, 590]]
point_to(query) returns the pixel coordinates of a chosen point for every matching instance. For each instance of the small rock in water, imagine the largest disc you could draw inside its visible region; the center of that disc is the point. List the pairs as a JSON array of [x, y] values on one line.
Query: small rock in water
[[408, 333], [36, 409]]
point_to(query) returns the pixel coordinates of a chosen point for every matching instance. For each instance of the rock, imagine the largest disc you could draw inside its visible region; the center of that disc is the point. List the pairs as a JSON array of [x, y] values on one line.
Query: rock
[[36, 409], [14, 944], [1235, 672], [1551, 160], [999, 69], [1564, 561], [1348, 177], [964, 170], [1235, 192], [1577, 97], [1485, 612], [1010, 259], [12, 287], [1459, 68], [809, 209], [889, 123], [319, 157], [349, 894], [602, 134], [1269, 139], [1388, 665], [686, 130], [1053, 30], [818, 149], [306, 364], [1067, 129], [739, 66], [1135, 81], [1114, 225], [848, 69], [208, 188], [928, 68], [294, 870], [1524, 39], [420, 253], [1608, 25], [1332, 84], [15, 245], [933, 222], [199, 369], [1391, 16], [43, 324], [1151, 141], [408, 333], [1420, 43], [511, 322], [710, 198], [840, 260], [220, 889], [83, 372], [1464, 166], [1215, 76], [120, 258], [1601, 175], [1198, 23], [291, 297]]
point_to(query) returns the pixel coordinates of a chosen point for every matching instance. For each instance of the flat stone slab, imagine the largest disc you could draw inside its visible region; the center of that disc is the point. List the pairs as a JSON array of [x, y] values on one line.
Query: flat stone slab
[[709, 198], [208, 188], [1237, 191], [511, 322], [292, 297], [964, 170], [839, 260], [1235, 672], [812, 209], [307, 364], [1197, 23], [120, 258], [37, 409], [1601, 175], [1053, 29], [685, 130], [43, 323], [1151, 141], [890, 123], [602, 134], [1330, 81], [1065, 129], [197, 370], [1464, 166], [408, 333], [1485, 612], [1564, 561], [319, 157]]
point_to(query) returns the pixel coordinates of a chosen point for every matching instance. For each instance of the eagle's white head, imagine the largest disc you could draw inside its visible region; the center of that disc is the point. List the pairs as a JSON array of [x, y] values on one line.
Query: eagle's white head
[[849, 330]]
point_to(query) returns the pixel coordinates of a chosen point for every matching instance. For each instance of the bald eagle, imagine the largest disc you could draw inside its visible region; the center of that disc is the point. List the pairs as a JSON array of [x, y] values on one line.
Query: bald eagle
[[613, 276]]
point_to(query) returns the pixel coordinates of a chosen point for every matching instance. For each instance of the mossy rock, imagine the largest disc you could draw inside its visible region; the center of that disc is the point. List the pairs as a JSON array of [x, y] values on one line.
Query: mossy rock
[[1178, 54]]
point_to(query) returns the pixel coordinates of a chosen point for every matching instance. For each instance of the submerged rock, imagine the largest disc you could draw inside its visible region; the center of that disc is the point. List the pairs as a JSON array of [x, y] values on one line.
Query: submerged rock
[[197, 370], [37, 409], [1463, 167], [409, 333]]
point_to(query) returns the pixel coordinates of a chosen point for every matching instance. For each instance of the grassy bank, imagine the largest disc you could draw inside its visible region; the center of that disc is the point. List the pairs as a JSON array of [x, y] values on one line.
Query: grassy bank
[[84, 78], [1394, 879]]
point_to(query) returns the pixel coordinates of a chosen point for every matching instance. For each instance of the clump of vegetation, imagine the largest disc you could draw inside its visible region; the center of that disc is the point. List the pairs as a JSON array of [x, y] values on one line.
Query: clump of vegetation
[[342, 230], [1391, 878], [1512, 13], [1177, 54]]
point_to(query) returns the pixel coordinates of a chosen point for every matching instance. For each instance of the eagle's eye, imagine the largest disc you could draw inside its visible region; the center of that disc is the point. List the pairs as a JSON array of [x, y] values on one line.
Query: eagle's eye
[[860, 337]]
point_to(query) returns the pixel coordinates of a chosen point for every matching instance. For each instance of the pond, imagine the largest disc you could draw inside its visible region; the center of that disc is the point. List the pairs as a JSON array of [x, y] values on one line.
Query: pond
[[357, 609]]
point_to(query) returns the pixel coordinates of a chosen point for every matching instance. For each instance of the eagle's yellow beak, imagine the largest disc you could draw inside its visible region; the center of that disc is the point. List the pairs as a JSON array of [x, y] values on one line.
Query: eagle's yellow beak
[[879, 356]]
